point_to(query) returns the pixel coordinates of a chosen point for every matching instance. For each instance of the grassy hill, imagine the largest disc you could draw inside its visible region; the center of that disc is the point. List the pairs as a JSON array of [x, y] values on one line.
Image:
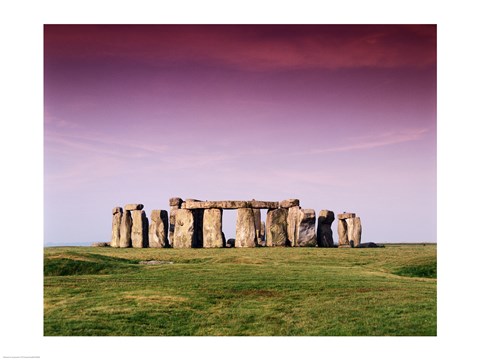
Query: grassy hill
[[260, 291]]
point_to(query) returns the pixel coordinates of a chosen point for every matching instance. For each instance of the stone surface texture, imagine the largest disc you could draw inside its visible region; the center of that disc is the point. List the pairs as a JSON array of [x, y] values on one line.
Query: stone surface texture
[[357, 232], [344, 216], [324, 228], [245, 229], [306, 228], [117, 209], [116, 223], [292, 225], [276, 227], [230, 204], [184, 229], [212, 228], [131, 207], [139, 229], [289, 203], [342, 234], [158, 229], [126, 230]]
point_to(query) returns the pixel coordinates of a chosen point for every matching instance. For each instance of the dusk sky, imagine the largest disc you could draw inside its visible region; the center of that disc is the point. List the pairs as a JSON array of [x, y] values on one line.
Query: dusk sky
[[341, 117]]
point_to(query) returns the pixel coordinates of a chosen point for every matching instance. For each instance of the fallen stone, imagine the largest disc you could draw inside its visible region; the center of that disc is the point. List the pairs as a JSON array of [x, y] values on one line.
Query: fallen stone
[[155, 262], [370, 245], [245, 229], [306, 228], [230, 243], [101, 244], [276, 227], [158, 229], [131, 207], [212, 228], [126, 230], [345, 216], [139, 229], [184, 229], [289, 203]]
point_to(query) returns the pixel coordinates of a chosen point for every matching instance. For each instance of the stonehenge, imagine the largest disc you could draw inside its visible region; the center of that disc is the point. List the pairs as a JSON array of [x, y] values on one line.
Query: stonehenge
[[198, 224]]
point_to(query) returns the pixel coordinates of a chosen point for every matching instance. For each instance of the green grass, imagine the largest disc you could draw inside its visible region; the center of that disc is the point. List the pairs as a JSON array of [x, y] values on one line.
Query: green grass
[[261, 291]]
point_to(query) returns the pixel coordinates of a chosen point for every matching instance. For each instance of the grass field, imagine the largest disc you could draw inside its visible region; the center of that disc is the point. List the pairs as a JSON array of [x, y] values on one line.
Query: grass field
[[260, 291]]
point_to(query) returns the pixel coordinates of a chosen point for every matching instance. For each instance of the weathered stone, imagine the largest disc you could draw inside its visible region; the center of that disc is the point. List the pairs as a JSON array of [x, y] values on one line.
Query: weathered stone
[[350, 229], [212, 228], [306, 228], [289, 203], [101, 244], [245, 231], [171, 229], [117, 209], [344, 216], [198, 228], [184, 229], [126, 230], [139, 229], [326, 216], [131, 207], [342, 234], [230, 243], [357, 232], [257, 216], [231, 204], [116, 222], [262, 231], [158, 229], [292, 225], [324, 228], [176, 202], [276, 227]]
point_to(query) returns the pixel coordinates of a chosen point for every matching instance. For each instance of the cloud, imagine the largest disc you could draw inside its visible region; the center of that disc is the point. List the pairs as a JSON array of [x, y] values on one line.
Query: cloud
[[252, 48], [372, 141]]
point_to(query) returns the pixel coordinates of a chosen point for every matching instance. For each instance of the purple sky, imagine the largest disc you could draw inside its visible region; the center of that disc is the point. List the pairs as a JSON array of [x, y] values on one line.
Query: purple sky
[[341, 117]]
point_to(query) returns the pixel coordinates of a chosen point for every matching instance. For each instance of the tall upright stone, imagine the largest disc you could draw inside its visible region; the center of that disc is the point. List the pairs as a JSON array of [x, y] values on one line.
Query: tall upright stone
[[212, 228], [245, 230], [342, 234], [324, 228], [139, 229], [183, 236], [116, 222], [175, 204], [158, 229], [357, 232], [306, 228], [292, 225], [257, 216], [276, 227], [262, 231], [126, 230], [350, 228], [198, 215]]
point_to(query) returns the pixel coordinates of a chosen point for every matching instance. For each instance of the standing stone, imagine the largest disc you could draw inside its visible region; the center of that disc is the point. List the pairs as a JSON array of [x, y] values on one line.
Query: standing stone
[[257, 216], [342, 234], [357, 232], [175, 204], [139, 229], [276, 227], [350, 228], [198, 227], [184, 229], [126, 230], [157, 233], [245, 231], [324, 228], [262, 231], [306, 228], [116, 222], [292, 225], [212, 228]]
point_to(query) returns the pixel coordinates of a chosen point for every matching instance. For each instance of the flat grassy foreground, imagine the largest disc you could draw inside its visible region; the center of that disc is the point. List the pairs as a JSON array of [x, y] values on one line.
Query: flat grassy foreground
[[261, 291]]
